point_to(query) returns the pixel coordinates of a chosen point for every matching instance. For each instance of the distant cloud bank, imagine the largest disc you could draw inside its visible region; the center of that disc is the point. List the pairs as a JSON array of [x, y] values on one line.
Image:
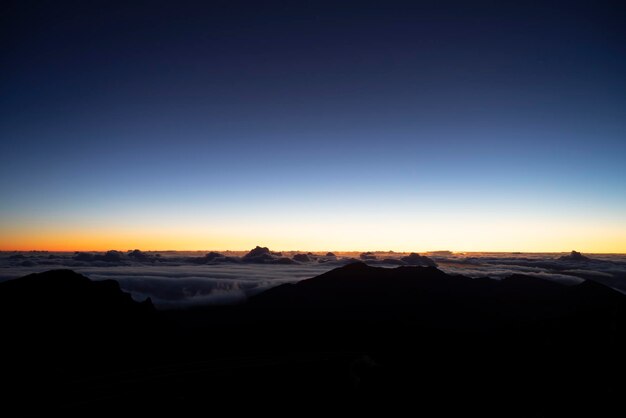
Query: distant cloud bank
[[183, 279]]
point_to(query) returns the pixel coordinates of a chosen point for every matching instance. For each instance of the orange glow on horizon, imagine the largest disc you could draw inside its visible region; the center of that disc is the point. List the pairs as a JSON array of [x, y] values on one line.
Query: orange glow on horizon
[[402, 231], [419, 238]]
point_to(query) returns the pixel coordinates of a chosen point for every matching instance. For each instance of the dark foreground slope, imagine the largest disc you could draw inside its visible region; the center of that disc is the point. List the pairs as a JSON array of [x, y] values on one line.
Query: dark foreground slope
[[412, 338]]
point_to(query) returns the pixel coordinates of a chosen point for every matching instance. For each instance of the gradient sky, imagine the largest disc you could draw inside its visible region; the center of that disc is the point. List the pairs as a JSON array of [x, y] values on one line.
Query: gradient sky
[[346, 126]]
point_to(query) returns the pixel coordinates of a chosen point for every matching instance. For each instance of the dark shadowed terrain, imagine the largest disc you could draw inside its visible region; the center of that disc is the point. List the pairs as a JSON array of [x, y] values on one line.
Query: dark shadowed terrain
[[411, 339]]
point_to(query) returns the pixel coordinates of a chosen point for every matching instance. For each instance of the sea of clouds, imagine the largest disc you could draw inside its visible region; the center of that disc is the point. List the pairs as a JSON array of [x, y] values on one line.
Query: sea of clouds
[[186, 279]]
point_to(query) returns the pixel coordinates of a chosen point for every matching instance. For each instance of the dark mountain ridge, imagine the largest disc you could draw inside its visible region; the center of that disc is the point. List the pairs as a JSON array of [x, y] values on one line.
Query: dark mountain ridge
[[357, 336]]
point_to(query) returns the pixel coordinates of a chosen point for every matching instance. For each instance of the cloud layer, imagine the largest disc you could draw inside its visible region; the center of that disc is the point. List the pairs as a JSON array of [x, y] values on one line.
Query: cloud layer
[[180, 279]]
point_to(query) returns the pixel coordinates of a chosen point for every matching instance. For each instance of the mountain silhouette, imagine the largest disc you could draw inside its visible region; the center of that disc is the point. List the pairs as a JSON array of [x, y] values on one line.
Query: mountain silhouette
[[359, 291], [57, 292], [356, 337], [59, 324], [574, 256]]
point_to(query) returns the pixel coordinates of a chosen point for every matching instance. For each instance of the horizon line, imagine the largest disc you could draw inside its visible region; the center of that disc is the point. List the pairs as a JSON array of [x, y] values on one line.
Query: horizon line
[[311, 251]]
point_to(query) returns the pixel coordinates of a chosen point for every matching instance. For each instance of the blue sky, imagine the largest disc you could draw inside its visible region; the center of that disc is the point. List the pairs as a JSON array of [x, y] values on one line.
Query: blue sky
[[353, 116]]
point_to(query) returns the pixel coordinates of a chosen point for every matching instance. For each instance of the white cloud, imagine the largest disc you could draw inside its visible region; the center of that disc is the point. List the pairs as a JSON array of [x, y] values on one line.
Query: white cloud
[[175, 281]]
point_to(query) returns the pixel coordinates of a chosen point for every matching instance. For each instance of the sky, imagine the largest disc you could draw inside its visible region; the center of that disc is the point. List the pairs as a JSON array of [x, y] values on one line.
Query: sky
[[322, 126]]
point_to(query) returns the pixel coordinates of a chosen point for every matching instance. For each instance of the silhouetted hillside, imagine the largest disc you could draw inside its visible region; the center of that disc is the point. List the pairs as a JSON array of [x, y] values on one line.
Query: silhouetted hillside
[[60, 324], [574, 256], [437, 299], [357, 337], [63, 303], [66, 290]]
